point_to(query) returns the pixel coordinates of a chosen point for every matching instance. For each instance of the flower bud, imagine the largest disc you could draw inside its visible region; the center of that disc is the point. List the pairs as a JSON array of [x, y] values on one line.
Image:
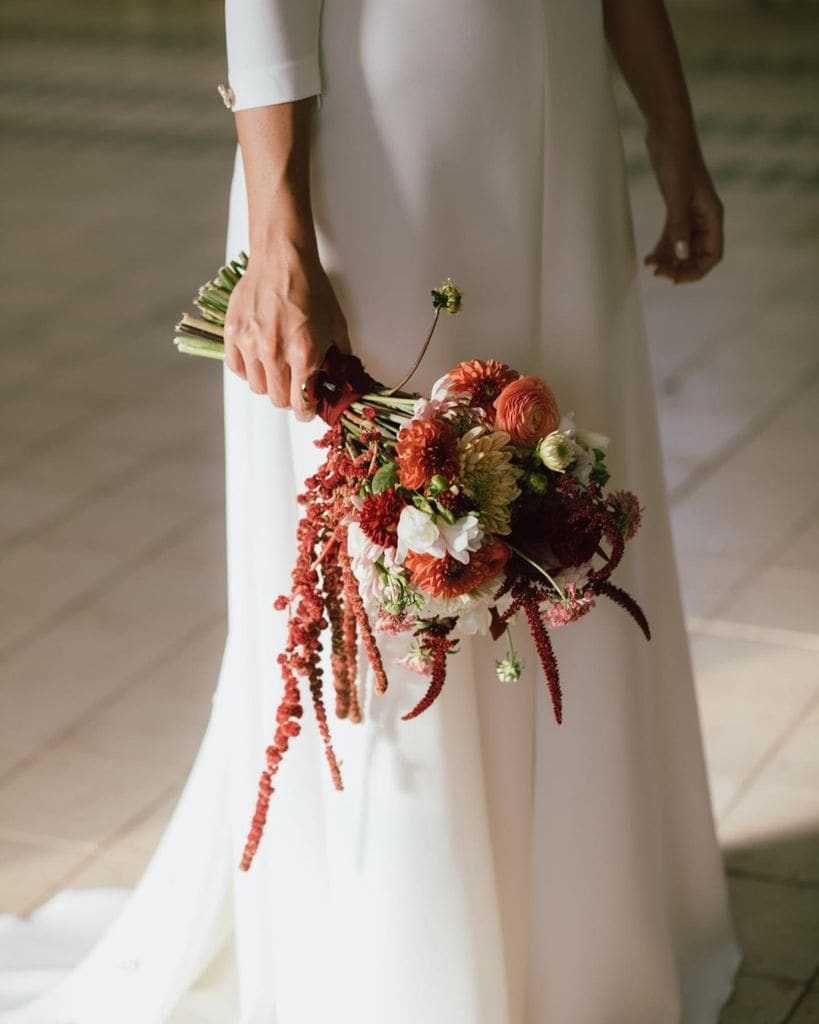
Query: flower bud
[[556, 451], [537, 482], [509, 669], [447, 297]]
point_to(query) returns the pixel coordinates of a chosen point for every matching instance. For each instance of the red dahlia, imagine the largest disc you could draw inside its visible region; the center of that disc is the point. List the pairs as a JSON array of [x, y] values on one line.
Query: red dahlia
[[379, 517]]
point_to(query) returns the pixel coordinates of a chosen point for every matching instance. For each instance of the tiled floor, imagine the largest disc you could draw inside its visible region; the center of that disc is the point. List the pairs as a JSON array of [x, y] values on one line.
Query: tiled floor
[[113, 189]]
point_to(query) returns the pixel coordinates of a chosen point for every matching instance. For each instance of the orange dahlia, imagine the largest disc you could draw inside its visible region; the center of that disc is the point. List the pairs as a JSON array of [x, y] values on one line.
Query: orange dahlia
[[446, 577], [483, 379], [426, 448]]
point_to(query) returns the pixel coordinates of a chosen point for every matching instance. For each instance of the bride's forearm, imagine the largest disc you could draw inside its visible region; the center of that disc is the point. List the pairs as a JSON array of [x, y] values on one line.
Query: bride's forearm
[[275, 144], [642, 41]]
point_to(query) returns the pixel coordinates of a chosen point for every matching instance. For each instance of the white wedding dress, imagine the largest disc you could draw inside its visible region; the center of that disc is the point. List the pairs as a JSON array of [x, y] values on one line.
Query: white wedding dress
[[483, 864]]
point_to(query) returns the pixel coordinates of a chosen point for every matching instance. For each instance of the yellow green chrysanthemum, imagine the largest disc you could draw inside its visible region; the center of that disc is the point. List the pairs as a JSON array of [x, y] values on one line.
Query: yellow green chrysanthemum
[[488, 476]]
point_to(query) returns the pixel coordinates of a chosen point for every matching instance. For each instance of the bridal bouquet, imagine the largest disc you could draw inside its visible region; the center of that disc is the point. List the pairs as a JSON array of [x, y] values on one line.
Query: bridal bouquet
[[436, 517]]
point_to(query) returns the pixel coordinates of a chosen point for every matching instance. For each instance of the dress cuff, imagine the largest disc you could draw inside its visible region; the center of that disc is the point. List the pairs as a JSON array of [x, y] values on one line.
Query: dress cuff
[[273, 83]]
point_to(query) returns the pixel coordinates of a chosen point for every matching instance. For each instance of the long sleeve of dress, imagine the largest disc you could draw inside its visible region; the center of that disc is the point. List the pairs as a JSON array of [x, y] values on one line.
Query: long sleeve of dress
[[272, 51]]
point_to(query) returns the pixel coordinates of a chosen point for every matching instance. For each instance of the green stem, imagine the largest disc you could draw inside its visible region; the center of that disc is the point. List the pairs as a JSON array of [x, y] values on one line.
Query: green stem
[[200, 347], [510, 647], [539, 568]]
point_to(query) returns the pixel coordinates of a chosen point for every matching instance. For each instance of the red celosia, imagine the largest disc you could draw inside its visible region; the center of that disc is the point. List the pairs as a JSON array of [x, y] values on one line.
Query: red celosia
[[426, 448]]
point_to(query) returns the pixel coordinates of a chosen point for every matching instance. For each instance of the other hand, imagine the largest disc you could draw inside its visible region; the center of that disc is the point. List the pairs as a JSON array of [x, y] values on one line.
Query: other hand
[[692, 240], [282, 317]]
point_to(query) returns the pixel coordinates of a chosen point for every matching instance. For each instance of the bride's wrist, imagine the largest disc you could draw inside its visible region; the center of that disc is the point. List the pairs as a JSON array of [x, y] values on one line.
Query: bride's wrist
[[288, 238], [676, 133]]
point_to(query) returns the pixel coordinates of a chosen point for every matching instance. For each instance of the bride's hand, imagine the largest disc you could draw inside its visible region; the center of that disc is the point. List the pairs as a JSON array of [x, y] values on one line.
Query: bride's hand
[[691, 242], [282, 317]]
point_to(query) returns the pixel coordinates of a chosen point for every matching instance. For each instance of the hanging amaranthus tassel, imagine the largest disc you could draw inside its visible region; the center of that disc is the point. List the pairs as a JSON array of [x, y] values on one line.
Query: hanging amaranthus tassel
[[437, 644], [546, 653]]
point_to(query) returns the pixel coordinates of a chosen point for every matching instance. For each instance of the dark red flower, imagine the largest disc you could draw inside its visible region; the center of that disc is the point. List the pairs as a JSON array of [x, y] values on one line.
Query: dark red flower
[[379, 517], [339, 381]]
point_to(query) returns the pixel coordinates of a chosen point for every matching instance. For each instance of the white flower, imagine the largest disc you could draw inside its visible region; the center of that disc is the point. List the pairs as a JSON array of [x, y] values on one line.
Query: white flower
[[590, 439], [471, 609], [473, 620], [577, 574], [463, 536], [584, 463], [440, 389], [443, 404], [567, 424], [360, 548], [586, 438], [415, 661], [364, 553], [557, 451], [417, 532]]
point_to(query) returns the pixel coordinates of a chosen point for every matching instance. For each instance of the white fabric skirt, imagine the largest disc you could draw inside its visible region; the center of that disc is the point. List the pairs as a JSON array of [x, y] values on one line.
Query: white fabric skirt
[[483, 865]]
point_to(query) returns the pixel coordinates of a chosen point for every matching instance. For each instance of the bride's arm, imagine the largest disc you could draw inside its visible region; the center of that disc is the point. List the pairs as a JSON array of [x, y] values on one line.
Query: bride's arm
[[642, 41], [283, 314]]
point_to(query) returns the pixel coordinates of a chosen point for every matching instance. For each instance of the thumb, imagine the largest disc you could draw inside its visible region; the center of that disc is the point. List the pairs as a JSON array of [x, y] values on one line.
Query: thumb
[[679, 231]]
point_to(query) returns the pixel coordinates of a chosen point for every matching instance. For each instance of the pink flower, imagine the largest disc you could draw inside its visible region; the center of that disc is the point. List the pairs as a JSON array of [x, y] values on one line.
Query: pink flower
[[562, 612]]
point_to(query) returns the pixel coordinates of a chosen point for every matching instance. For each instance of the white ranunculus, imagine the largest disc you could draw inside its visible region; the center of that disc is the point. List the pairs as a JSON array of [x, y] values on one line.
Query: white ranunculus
[[474, 620], [590, 439], [442, 402], [463, 536], [359, 546], [583, 465], [577, 574], [567, 424], [417, 532]]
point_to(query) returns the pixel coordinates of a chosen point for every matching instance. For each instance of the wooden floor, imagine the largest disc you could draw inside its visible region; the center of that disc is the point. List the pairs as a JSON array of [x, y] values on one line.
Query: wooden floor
[[113, 188]]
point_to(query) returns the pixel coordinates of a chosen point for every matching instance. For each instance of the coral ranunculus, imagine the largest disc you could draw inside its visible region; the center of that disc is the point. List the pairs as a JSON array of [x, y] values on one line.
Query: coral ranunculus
[[426, 448], [446, 577], [527, 410]]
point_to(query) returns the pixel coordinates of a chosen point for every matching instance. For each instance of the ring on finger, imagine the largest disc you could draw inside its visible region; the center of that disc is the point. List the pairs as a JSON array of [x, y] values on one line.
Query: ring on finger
[[307, 396]]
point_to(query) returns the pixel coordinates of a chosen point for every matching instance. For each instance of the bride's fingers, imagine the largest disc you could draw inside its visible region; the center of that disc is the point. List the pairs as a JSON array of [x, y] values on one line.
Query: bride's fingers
[[234, 361], [278, 383], [256, 377], [302, 399]]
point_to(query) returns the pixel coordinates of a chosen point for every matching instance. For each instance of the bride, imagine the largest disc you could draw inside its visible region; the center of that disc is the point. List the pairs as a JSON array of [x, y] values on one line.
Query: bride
[[483, 865]]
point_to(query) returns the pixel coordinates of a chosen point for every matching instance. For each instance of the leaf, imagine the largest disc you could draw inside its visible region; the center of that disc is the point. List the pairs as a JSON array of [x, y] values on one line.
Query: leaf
[[385, 477]]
